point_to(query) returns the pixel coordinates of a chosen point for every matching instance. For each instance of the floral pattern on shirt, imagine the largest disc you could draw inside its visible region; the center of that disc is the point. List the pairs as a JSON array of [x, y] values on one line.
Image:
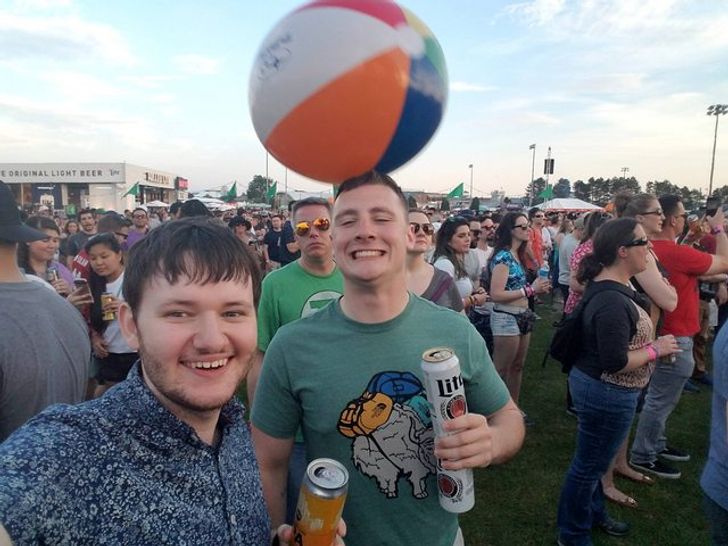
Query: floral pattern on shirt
[[516, 275], [123, 470]]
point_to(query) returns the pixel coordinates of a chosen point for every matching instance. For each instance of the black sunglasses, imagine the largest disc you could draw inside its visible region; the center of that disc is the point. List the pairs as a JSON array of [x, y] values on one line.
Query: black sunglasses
[[522, 226], [657, 212], [637, 242], [427, 229], [122, 235]]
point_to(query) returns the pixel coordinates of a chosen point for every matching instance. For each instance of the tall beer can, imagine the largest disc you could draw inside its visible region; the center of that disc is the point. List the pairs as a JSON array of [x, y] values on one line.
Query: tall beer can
[[320, 503], [107, 297], [446, 398]]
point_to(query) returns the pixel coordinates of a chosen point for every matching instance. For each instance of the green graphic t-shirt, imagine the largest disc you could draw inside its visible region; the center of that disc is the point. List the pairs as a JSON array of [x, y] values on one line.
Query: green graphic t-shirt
[[357, 392], [291, 293]]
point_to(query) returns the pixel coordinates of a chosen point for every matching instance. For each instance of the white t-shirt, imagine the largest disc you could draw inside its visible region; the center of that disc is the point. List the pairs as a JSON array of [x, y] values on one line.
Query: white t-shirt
[[464, 284], [112, 335]]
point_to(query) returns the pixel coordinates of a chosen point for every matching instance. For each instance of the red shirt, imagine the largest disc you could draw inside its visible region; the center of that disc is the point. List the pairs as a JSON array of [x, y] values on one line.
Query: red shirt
[[535, 239], [684, 265]]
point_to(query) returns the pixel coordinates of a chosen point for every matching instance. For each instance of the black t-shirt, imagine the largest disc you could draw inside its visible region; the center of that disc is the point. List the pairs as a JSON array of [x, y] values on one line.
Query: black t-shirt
[[287, 237], [609, 322], [272, 240]]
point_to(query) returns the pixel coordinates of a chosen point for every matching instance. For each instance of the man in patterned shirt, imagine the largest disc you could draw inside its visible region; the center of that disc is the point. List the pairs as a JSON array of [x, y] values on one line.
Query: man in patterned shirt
[[165, 457]]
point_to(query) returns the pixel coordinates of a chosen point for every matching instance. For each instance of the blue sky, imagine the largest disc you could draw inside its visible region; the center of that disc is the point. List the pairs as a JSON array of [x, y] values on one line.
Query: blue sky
[[606, 84]]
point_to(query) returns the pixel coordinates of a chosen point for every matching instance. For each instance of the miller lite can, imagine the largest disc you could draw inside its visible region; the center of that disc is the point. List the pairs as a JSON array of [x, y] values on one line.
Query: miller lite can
[[446, 399], [320, 503]]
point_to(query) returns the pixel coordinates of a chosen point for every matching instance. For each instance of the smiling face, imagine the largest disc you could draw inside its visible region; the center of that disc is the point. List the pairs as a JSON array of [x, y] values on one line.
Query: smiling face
[[520, 229], [421, 241], [371, 235], [104, 261], [45, 249], [636, 255], [316, 244], [196, 341]]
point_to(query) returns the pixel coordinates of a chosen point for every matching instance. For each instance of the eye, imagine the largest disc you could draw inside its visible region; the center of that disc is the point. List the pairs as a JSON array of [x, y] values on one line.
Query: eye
[[176, 314]]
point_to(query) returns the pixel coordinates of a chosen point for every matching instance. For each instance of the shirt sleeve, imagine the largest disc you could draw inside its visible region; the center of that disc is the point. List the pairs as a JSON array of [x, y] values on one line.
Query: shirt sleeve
[[691, 261], [612, 325], [484, 389], [443, 264], [268, 317], [275, 408]]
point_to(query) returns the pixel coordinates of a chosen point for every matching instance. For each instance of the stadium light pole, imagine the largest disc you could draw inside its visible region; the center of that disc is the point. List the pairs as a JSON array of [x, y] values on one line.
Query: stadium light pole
[[533, 171], [471, 180], [715, 110]]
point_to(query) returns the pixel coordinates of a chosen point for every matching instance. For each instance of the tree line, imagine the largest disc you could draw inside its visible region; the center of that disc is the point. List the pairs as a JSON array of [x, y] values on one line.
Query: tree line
[[601, 190]]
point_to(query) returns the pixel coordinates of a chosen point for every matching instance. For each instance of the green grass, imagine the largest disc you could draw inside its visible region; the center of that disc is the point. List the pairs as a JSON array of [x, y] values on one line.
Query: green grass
[[516, 502]]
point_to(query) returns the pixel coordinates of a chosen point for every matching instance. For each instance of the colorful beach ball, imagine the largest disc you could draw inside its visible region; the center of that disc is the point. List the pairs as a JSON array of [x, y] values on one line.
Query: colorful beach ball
[[341, 87]]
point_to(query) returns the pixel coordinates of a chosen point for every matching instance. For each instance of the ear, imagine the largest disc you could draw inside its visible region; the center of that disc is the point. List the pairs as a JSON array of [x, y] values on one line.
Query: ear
[[128, 326], [622, 252], [410, 235]]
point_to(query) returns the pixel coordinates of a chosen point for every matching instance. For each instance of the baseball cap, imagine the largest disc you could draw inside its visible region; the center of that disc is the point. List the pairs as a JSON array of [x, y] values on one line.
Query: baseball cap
[[12, 229]]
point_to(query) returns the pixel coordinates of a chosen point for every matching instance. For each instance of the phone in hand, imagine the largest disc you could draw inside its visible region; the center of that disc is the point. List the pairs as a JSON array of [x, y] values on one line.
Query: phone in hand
[[82, 286], [712, 205]]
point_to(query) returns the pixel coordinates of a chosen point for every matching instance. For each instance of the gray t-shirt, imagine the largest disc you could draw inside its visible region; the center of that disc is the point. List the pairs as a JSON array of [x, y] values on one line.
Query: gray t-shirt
[[44, 353], [568, 244]]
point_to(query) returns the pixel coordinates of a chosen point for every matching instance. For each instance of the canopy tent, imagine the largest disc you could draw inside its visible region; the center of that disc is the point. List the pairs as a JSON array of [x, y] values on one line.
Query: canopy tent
[[157, 204], [568, 204]]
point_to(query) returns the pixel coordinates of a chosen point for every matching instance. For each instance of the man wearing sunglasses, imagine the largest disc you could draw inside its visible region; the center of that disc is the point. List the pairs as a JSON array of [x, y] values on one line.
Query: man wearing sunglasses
[[295, 291], [684, 266], [350, 376]]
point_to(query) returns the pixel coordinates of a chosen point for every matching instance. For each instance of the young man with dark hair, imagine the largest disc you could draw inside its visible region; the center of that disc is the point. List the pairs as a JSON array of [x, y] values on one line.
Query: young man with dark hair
[[87, 228], [140, 227], [350, 377], [684, 266], [165, 457], [272, 243]]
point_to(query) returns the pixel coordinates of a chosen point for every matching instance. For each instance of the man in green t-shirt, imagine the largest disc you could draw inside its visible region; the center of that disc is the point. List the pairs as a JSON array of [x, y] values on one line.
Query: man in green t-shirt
[[350, 377], [298, 290]]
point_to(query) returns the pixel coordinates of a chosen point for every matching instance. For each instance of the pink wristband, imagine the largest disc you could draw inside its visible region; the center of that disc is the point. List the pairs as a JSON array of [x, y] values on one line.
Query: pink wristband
[[652, 351], [529, 290], [716, 230]]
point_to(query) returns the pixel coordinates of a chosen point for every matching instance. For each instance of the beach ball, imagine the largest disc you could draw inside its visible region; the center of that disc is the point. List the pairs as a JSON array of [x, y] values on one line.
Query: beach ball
[[341, 87]]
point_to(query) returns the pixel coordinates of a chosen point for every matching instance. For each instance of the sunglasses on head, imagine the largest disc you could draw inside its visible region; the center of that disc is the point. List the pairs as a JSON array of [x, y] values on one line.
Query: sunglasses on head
[[427, 229], [304, 227], [637, 242]]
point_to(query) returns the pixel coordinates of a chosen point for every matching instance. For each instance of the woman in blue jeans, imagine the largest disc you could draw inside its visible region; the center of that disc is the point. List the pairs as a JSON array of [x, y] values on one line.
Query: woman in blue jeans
[[615, 362]]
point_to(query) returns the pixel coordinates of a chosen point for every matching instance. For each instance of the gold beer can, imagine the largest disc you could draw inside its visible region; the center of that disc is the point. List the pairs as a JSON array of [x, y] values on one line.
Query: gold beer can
[[320, 503], [106, 297]]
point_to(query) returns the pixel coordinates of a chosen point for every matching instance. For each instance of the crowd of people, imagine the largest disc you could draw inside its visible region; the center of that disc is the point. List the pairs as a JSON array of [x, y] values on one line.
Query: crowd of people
[[325, 311]]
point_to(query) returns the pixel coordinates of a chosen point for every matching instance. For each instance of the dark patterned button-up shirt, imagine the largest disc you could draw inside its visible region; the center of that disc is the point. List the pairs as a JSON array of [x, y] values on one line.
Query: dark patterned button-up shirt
[[123, 470]]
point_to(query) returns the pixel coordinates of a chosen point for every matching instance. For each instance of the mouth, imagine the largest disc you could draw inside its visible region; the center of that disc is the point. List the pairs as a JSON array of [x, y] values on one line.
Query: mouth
[[206, 364], [363, 254]]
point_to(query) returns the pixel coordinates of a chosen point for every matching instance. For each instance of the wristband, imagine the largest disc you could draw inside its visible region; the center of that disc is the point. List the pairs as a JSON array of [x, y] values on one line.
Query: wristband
[[716, 230], [652, 352], [529, 290]]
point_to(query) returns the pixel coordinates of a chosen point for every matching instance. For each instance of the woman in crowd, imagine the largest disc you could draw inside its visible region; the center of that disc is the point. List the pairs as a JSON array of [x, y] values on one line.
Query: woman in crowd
[[592, 221], [511, 321], [39, 258], [614, 364], [70, 228], [662, 297], [423, 279], [113, 355], [453, 242]]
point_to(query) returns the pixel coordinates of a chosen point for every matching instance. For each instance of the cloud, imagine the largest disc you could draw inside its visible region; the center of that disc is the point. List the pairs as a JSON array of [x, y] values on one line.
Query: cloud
[[537, 12], [60, 38], [197, 64], [460, 86]]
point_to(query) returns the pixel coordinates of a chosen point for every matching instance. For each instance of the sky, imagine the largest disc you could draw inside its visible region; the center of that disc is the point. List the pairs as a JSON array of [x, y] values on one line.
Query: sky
[[607, 85]]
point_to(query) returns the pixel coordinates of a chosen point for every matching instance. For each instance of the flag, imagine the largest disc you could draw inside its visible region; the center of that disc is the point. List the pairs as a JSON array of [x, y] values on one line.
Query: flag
[[232, 193], [271, 193], [532, 147], [547, 193], [134, 190], [457, 191]]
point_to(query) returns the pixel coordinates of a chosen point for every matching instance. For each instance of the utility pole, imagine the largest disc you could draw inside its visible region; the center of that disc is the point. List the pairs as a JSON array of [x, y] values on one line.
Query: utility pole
[[715, 110], [471, 181], [533, 171]]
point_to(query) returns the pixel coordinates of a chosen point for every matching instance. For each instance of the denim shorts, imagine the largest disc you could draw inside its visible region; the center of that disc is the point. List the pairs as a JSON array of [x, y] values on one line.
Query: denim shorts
[[503, 324]]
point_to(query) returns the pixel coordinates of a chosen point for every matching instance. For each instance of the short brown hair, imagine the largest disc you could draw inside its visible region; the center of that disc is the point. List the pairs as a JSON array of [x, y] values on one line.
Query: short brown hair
[[373, 178]]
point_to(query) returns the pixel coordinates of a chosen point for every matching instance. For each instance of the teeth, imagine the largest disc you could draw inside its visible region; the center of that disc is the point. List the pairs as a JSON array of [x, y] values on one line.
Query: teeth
[[367, 253], [208, 365]]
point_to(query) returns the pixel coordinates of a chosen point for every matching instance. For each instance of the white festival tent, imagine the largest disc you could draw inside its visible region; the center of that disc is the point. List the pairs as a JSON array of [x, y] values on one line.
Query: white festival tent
[[568, 204]]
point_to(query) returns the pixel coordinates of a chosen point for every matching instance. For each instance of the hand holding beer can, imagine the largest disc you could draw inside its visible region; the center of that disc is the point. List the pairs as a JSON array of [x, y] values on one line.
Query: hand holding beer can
[[446, 400], [107, 298], [320, 503]]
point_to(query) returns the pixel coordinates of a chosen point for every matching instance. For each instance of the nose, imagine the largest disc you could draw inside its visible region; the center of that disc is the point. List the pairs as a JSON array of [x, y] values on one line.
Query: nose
[[364, 228], [209, 337]]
